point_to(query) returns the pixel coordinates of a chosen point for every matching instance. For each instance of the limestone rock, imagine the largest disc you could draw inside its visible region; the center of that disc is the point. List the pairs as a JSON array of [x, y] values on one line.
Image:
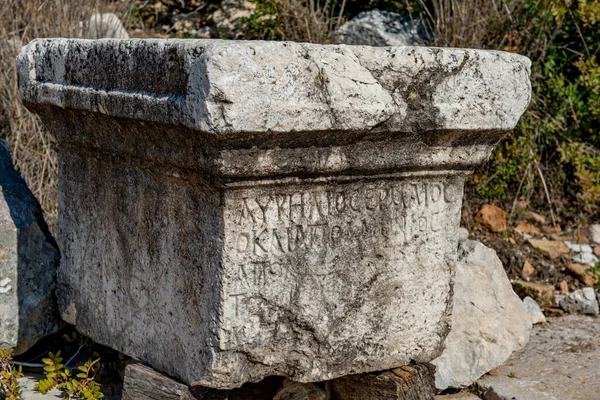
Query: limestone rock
[[489, 321], [550, 248], [29, 258], [582, 301], [533, 310], [273, 208], [463, 233], [582, 253], [492, 217], [527, 270], [542, 293], [104, 26], [414, 382], [595, 233], [580, 272], [381, 28]]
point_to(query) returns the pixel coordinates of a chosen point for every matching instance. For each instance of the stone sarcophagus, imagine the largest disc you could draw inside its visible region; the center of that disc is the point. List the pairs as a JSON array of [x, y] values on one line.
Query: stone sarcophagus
[[230, 210]]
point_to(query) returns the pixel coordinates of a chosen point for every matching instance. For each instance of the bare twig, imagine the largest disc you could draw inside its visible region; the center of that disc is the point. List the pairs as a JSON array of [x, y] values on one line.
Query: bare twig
[[547, 195]]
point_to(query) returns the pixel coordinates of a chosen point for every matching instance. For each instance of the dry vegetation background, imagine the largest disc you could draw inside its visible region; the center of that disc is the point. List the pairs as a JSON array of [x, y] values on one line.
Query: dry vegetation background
[[551, 162], [20, 22]]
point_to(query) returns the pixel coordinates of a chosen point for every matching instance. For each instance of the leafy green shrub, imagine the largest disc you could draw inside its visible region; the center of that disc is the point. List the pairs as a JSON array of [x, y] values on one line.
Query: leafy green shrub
[[82, 386], [9, 375]]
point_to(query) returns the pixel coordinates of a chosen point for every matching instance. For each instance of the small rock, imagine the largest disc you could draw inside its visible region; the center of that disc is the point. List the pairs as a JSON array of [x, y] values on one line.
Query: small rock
[[492, 217], [580, 272], [582, 301], [597, 251], [542, 293], [533, 310], [104, 26], [526, 227], [463, 234], [553, 312], [583, 253], [549, 248], [528, 269], [381, 28], [540, 219], [579, 248], [489, 321], [291, 390], [564, 287], [595, 233]]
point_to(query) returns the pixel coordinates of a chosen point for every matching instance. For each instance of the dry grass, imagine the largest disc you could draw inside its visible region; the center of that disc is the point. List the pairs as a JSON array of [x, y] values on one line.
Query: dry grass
[[21, 21], [313, 21]]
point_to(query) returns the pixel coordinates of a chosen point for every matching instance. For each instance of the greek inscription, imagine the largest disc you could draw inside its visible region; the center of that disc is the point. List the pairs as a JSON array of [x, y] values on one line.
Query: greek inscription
[[316, 207]]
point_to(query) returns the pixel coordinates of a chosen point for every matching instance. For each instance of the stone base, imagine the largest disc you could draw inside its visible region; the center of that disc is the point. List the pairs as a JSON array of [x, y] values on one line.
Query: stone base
[[144, 383], [415, 382]]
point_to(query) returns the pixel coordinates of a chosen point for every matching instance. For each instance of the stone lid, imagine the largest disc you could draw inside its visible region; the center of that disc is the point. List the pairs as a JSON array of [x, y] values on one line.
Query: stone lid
[[228, 87]]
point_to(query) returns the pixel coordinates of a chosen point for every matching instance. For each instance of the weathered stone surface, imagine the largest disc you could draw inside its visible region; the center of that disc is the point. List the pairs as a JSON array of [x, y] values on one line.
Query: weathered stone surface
[[492, 217], [28, 261], [582, 301], [414, 382], [550, 248], [489, 321], [143, 383], [381, 28], [534, 311], [273, 208], [542, 293], [560, 362]]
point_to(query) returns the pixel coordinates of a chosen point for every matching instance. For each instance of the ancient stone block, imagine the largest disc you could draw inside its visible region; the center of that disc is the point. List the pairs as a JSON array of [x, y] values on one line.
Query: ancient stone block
[[28, 261], [231, 210]]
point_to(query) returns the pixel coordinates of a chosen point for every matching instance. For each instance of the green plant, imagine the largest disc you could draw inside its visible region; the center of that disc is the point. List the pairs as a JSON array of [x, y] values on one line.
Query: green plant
[[595, 272], [81, 386], [9, 375]]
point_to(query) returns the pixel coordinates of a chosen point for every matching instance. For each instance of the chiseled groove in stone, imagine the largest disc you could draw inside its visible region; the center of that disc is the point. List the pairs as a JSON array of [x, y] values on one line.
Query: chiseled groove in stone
[[346, 178]]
